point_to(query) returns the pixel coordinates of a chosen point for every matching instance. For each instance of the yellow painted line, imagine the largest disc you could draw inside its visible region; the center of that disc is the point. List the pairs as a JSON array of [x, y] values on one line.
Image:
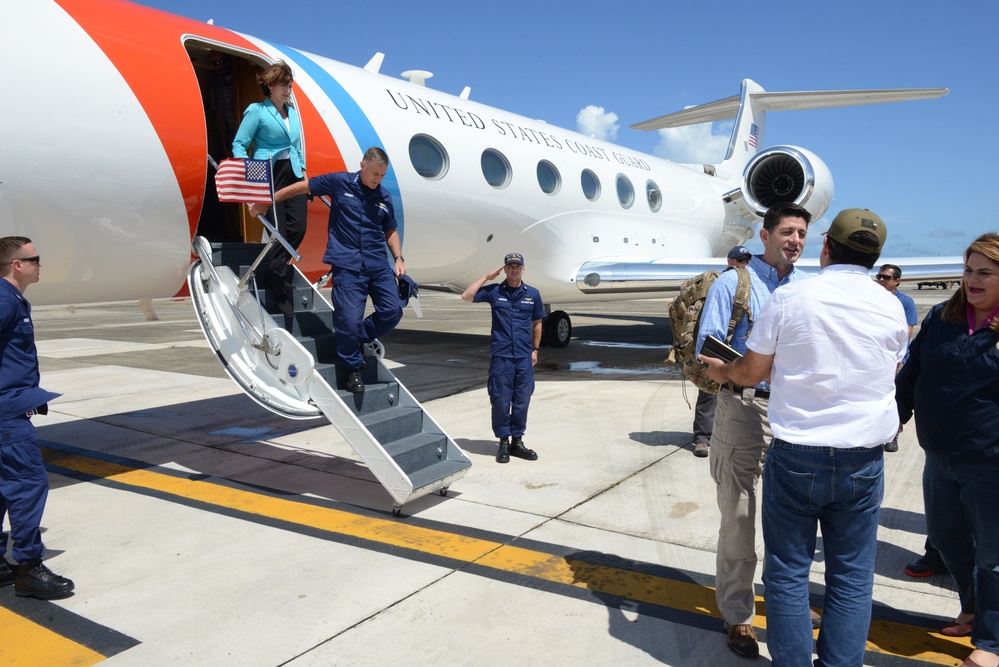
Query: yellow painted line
[[26, 643], [885, 637]]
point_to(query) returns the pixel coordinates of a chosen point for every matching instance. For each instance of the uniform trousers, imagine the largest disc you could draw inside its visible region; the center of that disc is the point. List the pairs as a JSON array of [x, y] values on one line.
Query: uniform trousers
[[510, 385], [350, 294], [739, 443], [24, 488]]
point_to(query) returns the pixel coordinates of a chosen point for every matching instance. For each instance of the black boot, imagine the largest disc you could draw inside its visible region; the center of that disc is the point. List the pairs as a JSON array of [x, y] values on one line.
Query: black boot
[[503, 455], [6, 574], [34, 580], [517, 449]]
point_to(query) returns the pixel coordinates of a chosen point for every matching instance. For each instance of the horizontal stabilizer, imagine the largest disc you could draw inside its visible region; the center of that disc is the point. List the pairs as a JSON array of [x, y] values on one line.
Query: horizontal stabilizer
[[788, 101]]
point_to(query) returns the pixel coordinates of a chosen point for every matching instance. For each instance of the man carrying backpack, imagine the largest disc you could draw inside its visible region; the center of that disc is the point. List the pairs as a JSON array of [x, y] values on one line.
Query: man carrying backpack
[[741, 429]]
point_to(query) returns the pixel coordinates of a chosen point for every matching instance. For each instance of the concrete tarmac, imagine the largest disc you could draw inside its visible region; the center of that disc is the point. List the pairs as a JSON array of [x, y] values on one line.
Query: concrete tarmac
[[201, 529]]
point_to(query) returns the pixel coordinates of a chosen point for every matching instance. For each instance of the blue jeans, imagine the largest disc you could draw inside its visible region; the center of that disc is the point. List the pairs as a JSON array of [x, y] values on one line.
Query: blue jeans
[[960, 495], [840, 490]]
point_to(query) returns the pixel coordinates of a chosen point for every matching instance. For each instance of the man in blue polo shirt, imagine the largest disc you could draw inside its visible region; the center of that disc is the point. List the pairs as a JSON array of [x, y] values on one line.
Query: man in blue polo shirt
[[362, 222], [741, 429], [24, 482], [515, 339]]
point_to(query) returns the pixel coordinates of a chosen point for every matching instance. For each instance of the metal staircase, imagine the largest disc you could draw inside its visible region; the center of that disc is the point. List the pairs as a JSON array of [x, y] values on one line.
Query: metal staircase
[[289, 365]]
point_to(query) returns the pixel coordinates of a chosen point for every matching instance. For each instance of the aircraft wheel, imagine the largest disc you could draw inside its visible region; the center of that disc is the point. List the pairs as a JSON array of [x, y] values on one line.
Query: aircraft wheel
[[558, 329], [397, 511], [443, 491]]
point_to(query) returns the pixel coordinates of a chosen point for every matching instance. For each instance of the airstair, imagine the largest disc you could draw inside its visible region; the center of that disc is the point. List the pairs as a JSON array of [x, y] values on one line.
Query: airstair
[[289, 365]]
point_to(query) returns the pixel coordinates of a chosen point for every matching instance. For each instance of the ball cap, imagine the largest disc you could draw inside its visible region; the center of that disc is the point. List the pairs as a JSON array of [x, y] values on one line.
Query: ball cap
[[514, 258], [848, 222], [738, 251]]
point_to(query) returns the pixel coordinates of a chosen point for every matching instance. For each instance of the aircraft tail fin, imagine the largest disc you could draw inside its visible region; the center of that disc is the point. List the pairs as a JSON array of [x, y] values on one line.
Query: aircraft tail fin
[[750, 108]]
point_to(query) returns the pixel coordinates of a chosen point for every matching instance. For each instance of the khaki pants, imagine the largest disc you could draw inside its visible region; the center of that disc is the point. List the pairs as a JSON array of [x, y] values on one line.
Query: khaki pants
[[738, 444]]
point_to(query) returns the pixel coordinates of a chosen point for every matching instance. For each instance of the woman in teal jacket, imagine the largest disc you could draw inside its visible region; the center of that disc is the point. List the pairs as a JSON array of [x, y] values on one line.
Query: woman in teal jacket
[[274, 129]]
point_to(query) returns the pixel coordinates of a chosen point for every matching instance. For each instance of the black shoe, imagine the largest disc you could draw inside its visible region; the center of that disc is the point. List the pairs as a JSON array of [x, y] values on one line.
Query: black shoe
[[6, 574], [517, 449], [34, 580], [354, 382], [892, 446], [503, 454], [924, 567]]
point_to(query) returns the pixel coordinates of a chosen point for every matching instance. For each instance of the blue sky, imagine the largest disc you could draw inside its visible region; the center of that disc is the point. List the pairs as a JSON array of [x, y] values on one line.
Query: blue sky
[[599, 67]]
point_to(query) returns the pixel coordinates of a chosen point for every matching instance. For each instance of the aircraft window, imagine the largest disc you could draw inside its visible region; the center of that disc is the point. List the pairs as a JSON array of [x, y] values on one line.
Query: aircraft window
[[496, 168], [428, 157], [625, 191], [548, 178], [654, 196], [591, 185]]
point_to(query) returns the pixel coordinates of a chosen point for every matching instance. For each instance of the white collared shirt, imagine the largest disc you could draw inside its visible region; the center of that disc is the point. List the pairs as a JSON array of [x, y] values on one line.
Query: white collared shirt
[[836, 341]]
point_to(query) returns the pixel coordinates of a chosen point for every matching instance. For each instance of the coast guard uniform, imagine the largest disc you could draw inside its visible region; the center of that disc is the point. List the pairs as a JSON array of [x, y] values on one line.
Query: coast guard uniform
[[511, 373], [24, 483], [356, 250]]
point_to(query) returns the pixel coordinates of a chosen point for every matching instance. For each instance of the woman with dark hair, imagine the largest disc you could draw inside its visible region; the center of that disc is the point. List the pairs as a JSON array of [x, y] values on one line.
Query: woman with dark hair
[[951, 383], [274, 129]]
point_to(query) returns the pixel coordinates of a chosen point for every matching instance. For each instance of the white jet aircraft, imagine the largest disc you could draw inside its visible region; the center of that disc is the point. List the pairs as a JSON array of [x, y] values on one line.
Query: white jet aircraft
[[106, 166]]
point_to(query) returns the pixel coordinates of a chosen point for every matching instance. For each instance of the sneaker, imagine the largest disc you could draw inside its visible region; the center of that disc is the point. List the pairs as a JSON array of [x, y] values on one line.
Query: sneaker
[[6, 574], [742, 640], [355, 384], [701, 449], [517, 449], [892, 446], [34, 580], [924, 567], [503, 454]]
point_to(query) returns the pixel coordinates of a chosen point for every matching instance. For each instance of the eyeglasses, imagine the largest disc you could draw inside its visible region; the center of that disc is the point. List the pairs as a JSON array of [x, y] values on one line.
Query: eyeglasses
[[36, 259], [881, 277]]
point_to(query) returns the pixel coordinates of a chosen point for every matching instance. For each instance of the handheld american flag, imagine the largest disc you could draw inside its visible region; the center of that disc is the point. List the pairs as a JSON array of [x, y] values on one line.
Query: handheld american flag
[[244, 180]]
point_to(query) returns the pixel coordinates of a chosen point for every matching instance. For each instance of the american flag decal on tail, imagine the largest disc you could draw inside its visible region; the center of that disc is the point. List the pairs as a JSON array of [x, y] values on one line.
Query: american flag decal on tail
[[754, 132]]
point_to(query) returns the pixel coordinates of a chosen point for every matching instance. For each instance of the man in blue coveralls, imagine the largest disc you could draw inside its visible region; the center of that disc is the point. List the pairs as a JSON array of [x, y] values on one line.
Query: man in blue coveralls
[[24, 483], [513, 349], [362, 222]]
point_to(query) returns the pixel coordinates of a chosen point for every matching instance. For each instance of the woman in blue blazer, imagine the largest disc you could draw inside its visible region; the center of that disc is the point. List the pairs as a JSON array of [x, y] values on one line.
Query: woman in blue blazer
[[274, 129]]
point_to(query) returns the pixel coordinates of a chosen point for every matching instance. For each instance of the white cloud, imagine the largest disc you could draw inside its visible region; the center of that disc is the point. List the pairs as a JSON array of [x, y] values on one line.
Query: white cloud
[[594, 121], [704, 143]]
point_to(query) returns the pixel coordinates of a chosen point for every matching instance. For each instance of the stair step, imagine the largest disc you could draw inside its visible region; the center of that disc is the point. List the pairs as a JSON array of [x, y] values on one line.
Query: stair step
[[393, 424], [375, 397], [418, 451], [337, 379], [437, 472]]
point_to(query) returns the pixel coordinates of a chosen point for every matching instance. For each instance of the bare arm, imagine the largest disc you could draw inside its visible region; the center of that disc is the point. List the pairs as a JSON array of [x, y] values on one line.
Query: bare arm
[[536, 337], [395, 247], [293, 190], [750, 370], [469, 293]]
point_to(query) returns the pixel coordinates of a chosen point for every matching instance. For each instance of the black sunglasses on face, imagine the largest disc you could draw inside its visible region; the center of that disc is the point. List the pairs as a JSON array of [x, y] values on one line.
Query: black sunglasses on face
[[36, 259], [881, 277]]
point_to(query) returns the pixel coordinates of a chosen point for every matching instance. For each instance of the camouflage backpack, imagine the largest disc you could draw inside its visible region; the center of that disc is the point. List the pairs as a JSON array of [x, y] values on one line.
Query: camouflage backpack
[[685, 320]]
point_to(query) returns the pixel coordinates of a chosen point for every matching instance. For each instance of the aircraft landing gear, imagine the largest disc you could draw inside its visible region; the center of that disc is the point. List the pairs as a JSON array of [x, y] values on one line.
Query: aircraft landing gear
[[557, 329]]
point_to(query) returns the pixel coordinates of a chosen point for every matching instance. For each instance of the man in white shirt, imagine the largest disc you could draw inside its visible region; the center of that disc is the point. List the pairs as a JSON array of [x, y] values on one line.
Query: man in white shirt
[[830, 346]]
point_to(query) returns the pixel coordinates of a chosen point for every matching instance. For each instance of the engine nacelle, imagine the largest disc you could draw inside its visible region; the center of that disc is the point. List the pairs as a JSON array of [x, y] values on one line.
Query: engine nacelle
[[783, 174]]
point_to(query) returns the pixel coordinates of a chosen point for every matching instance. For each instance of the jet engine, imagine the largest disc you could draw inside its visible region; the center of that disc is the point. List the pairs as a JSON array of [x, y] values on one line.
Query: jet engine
[[783, 174]]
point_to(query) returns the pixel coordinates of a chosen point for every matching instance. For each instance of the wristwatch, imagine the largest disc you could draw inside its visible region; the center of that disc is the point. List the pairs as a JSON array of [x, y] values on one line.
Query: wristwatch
[[400, 257]]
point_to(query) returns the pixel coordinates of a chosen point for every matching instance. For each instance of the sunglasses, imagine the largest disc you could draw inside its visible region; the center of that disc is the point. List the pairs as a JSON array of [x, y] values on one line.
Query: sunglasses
[[37, 259], [881, 277]]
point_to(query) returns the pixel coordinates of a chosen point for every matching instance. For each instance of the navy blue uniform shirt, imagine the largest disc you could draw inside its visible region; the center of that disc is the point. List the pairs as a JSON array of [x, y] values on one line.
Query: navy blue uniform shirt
[[514, 312], [19, 390], [359, 220]]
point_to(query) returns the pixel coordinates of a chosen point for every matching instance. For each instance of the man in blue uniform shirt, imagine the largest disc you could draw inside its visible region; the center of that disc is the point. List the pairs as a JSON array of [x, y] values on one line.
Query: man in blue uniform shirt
[[513, 349], [362, 222], [24, 483]]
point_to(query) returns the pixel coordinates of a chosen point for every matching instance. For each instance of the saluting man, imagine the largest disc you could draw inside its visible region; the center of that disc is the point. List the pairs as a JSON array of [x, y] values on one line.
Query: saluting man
[[515, 339]]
